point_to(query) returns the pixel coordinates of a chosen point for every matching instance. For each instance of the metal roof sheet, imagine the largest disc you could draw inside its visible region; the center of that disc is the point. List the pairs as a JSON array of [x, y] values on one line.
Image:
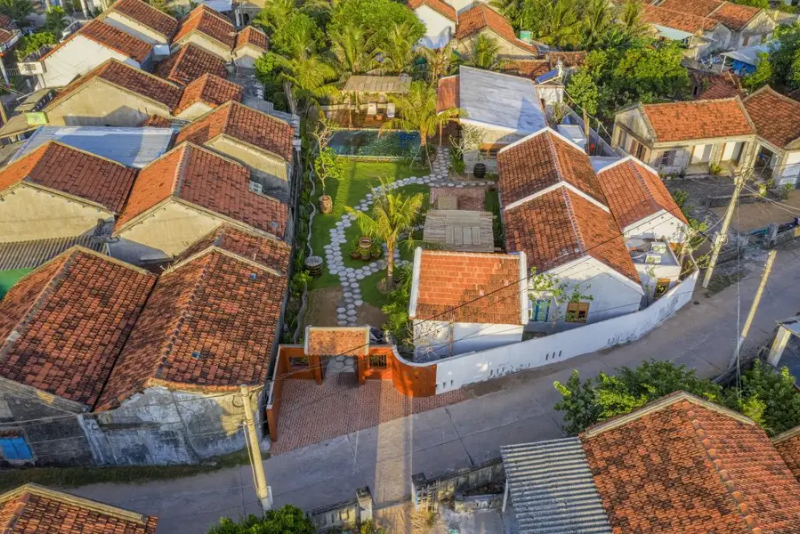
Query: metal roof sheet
[[552, 489], [132, 147], [31, 254], [497, 99]]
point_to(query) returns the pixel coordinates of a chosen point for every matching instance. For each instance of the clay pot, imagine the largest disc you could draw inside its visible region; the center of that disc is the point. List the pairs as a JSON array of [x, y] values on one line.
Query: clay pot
[[325, 204]]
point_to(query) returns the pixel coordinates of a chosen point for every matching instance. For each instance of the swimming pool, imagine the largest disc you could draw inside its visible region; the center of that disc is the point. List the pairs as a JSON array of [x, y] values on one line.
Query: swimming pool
[[368, 144]]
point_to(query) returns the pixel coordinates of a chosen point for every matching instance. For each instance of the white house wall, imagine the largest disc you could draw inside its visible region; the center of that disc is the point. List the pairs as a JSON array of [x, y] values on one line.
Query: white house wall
[[438, 28], [131, 27], [790, 168], [453, 373], [433, 337], [77, 57], [650, 274], [661, 226]]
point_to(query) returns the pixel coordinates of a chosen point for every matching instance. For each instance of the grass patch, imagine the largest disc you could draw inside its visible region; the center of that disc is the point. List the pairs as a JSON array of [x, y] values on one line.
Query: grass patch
[[719, 282], [70, 477], [370, 292]]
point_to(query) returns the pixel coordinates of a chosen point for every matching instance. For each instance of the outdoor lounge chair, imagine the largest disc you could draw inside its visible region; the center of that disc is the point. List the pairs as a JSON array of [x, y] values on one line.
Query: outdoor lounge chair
[[372, 109], [390, 110]]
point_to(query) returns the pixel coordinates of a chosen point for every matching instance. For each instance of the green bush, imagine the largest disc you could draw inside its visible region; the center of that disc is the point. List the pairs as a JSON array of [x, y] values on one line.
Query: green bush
[[286, 520]]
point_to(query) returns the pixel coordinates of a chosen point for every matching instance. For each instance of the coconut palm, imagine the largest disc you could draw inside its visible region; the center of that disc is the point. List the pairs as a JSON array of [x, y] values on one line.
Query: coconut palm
[[274, 13], [597, 20], [353, 51], [438, 62], [629, 16], [418, 113], [16, 10], [56, 21], [398, 50], [483, 53], [393, 215], [305, 80], [560, 24]]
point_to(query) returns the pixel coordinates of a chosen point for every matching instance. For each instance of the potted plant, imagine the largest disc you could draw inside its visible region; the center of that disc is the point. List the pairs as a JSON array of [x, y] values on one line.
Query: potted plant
[[327, 165], [375, 251], [355, 251]]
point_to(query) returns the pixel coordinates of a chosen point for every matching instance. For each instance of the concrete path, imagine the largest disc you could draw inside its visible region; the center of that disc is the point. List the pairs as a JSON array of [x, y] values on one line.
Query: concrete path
[[514, 409]]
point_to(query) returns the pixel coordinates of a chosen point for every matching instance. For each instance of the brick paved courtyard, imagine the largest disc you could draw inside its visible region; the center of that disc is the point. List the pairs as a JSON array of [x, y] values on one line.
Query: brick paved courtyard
[[311, 413]]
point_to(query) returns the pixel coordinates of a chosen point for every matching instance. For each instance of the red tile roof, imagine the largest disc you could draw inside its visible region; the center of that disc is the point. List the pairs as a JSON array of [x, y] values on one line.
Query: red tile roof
[[528, 68], [190, 63], [113, 38], [479, 17], [449, 282], [726, 85], [684, 465], [210, 324], [700, 8], [776, 117], [245, 124], [635, 192], [788, 446], [337, 341], [543, 160], [698, 119], [127, 77], [561, 226], [211, 90], [34, 509], [252, 36], [677, 20], [72, 171], [443, 8], [63, 326], [735, 16], [205, 20], [267, 251], [447, 94], [154, 121], [206, 179], [148, 16]]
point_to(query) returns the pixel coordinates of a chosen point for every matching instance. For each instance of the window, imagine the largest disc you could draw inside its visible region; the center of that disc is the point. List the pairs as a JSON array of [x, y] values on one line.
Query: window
[[668, 158], [538, 310], [15, 448], [577, 312], [623, 139], [256, 187]]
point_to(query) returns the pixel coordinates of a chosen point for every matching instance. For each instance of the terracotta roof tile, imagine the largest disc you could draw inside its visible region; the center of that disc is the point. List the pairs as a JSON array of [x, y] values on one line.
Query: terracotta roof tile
[[735, 16], [529, 68], [700, 8], [154, 121], [479, 17], [63, 326], [267, 251], [543, 160], [776, 117], [686, 466], [697, 119], [788, 446], [148, 16], [116, 39], [190, 63], [443, 8], [677, 20], [447, 96], [201, 177], [211, 90], [127, 77], [347, 341], [252, 36], [635, 192], [450, 281], [33, 509], [210, 323], [568, 59], [72, 171], [205, 20], [245, 124], [726, 85]]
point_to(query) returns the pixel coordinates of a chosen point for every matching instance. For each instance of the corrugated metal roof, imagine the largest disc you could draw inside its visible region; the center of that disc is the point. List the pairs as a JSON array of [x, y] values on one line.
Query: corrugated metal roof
[[133, 147], [31, 254], [552, 489]]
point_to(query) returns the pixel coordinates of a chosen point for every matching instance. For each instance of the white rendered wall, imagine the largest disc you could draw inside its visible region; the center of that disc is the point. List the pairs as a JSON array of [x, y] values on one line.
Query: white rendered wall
[[438, 28], [433, 338], [661, 226], [77, 57], [790, 168]]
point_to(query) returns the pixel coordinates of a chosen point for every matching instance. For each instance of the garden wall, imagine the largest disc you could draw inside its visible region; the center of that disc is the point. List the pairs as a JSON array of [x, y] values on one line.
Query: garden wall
[[453, 373]]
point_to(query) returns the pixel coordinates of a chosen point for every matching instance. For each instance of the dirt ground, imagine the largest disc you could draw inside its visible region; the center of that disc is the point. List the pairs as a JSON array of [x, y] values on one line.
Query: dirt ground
[[322, 304]]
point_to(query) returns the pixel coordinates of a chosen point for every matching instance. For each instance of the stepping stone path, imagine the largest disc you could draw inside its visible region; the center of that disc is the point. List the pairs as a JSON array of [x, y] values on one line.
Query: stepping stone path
[[350, 277]]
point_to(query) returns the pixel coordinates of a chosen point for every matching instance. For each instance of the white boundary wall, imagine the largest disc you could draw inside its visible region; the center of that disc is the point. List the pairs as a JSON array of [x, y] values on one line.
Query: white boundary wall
[[453, 373]]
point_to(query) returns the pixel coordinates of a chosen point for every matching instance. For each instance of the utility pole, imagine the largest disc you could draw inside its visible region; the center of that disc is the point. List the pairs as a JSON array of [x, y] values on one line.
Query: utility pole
[[262, 490], [753, 308], [722, 235]]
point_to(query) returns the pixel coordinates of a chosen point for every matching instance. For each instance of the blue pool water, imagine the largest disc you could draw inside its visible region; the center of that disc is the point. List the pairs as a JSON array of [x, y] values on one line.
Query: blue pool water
[[367, 143]]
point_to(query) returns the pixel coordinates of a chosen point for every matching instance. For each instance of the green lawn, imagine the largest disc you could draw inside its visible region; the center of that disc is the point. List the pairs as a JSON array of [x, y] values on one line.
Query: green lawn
[[9, 278]]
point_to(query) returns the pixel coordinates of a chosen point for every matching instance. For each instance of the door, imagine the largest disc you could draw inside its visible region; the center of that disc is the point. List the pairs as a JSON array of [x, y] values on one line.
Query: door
[[701, 153]]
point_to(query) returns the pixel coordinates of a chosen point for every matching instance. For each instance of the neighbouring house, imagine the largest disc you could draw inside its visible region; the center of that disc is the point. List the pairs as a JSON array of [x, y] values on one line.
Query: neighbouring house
[[205, 94], [141, 20], [113, 94], [35, 509], [251, 44], [744, 61], [9, 37], [59, 191], [555, 211], [688, 137], [86, 49], [458, 220], [264, 143], [701, 36], [748, 25], [500, 108], [189, 63], [439, 19], [679, 464], [709, 86], [132, 147], [651, 222], [207, 29], [777, 121], [788, 446], [185, 194], [551, 69], [480, 19], [463, 302]]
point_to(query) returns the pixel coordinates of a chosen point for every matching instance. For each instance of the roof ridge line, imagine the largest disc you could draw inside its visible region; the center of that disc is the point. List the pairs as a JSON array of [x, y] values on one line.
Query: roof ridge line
[[643, 183], [181, 171], [573, 222], [788, 434]]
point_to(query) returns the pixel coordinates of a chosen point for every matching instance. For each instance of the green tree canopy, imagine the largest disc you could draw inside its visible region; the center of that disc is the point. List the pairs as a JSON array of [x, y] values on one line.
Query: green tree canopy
[[762, 75], [785, 57], [286, 520], [297, 37], [56, 20], [33, 42], [483, 53], [377, 18], [17, 10]]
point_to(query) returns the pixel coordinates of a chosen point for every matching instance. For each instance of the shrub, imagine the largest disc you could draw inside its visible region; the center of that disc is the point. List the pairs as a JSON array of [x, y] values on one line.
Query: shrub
[[286, 520]]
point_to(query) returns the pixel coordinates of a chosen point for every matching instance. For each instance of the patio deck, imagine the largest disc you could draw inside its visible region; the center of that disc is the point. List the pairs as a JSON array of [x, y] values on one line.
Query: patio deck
[[356, 120]]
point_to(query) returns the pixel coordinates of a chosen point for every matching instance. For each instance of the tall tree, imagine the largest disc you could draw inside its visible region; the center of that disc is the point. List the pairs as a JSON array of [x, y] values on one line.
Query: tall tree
[[56, 20], [377, 18], [596, 21], [555, 22], [630, 17], [304, 80], [583, 91], [483, 53], [353, 51], [275, 13], [438, 62], [17, 10], [398, 50], [299, 37], [393, 215]]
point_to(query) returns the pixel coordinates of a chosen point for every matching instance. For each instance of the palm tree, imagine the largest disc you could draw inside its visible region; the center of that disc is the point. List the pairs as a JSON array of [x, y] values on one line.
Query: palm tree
[[56, 21], [393, 214], [629, 16], [483, 53], [418, 113], [597, 19], [275, 12], [353, 51], [398, 50], [305, 80], [438, 62], [16, 10], [558, 23]]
